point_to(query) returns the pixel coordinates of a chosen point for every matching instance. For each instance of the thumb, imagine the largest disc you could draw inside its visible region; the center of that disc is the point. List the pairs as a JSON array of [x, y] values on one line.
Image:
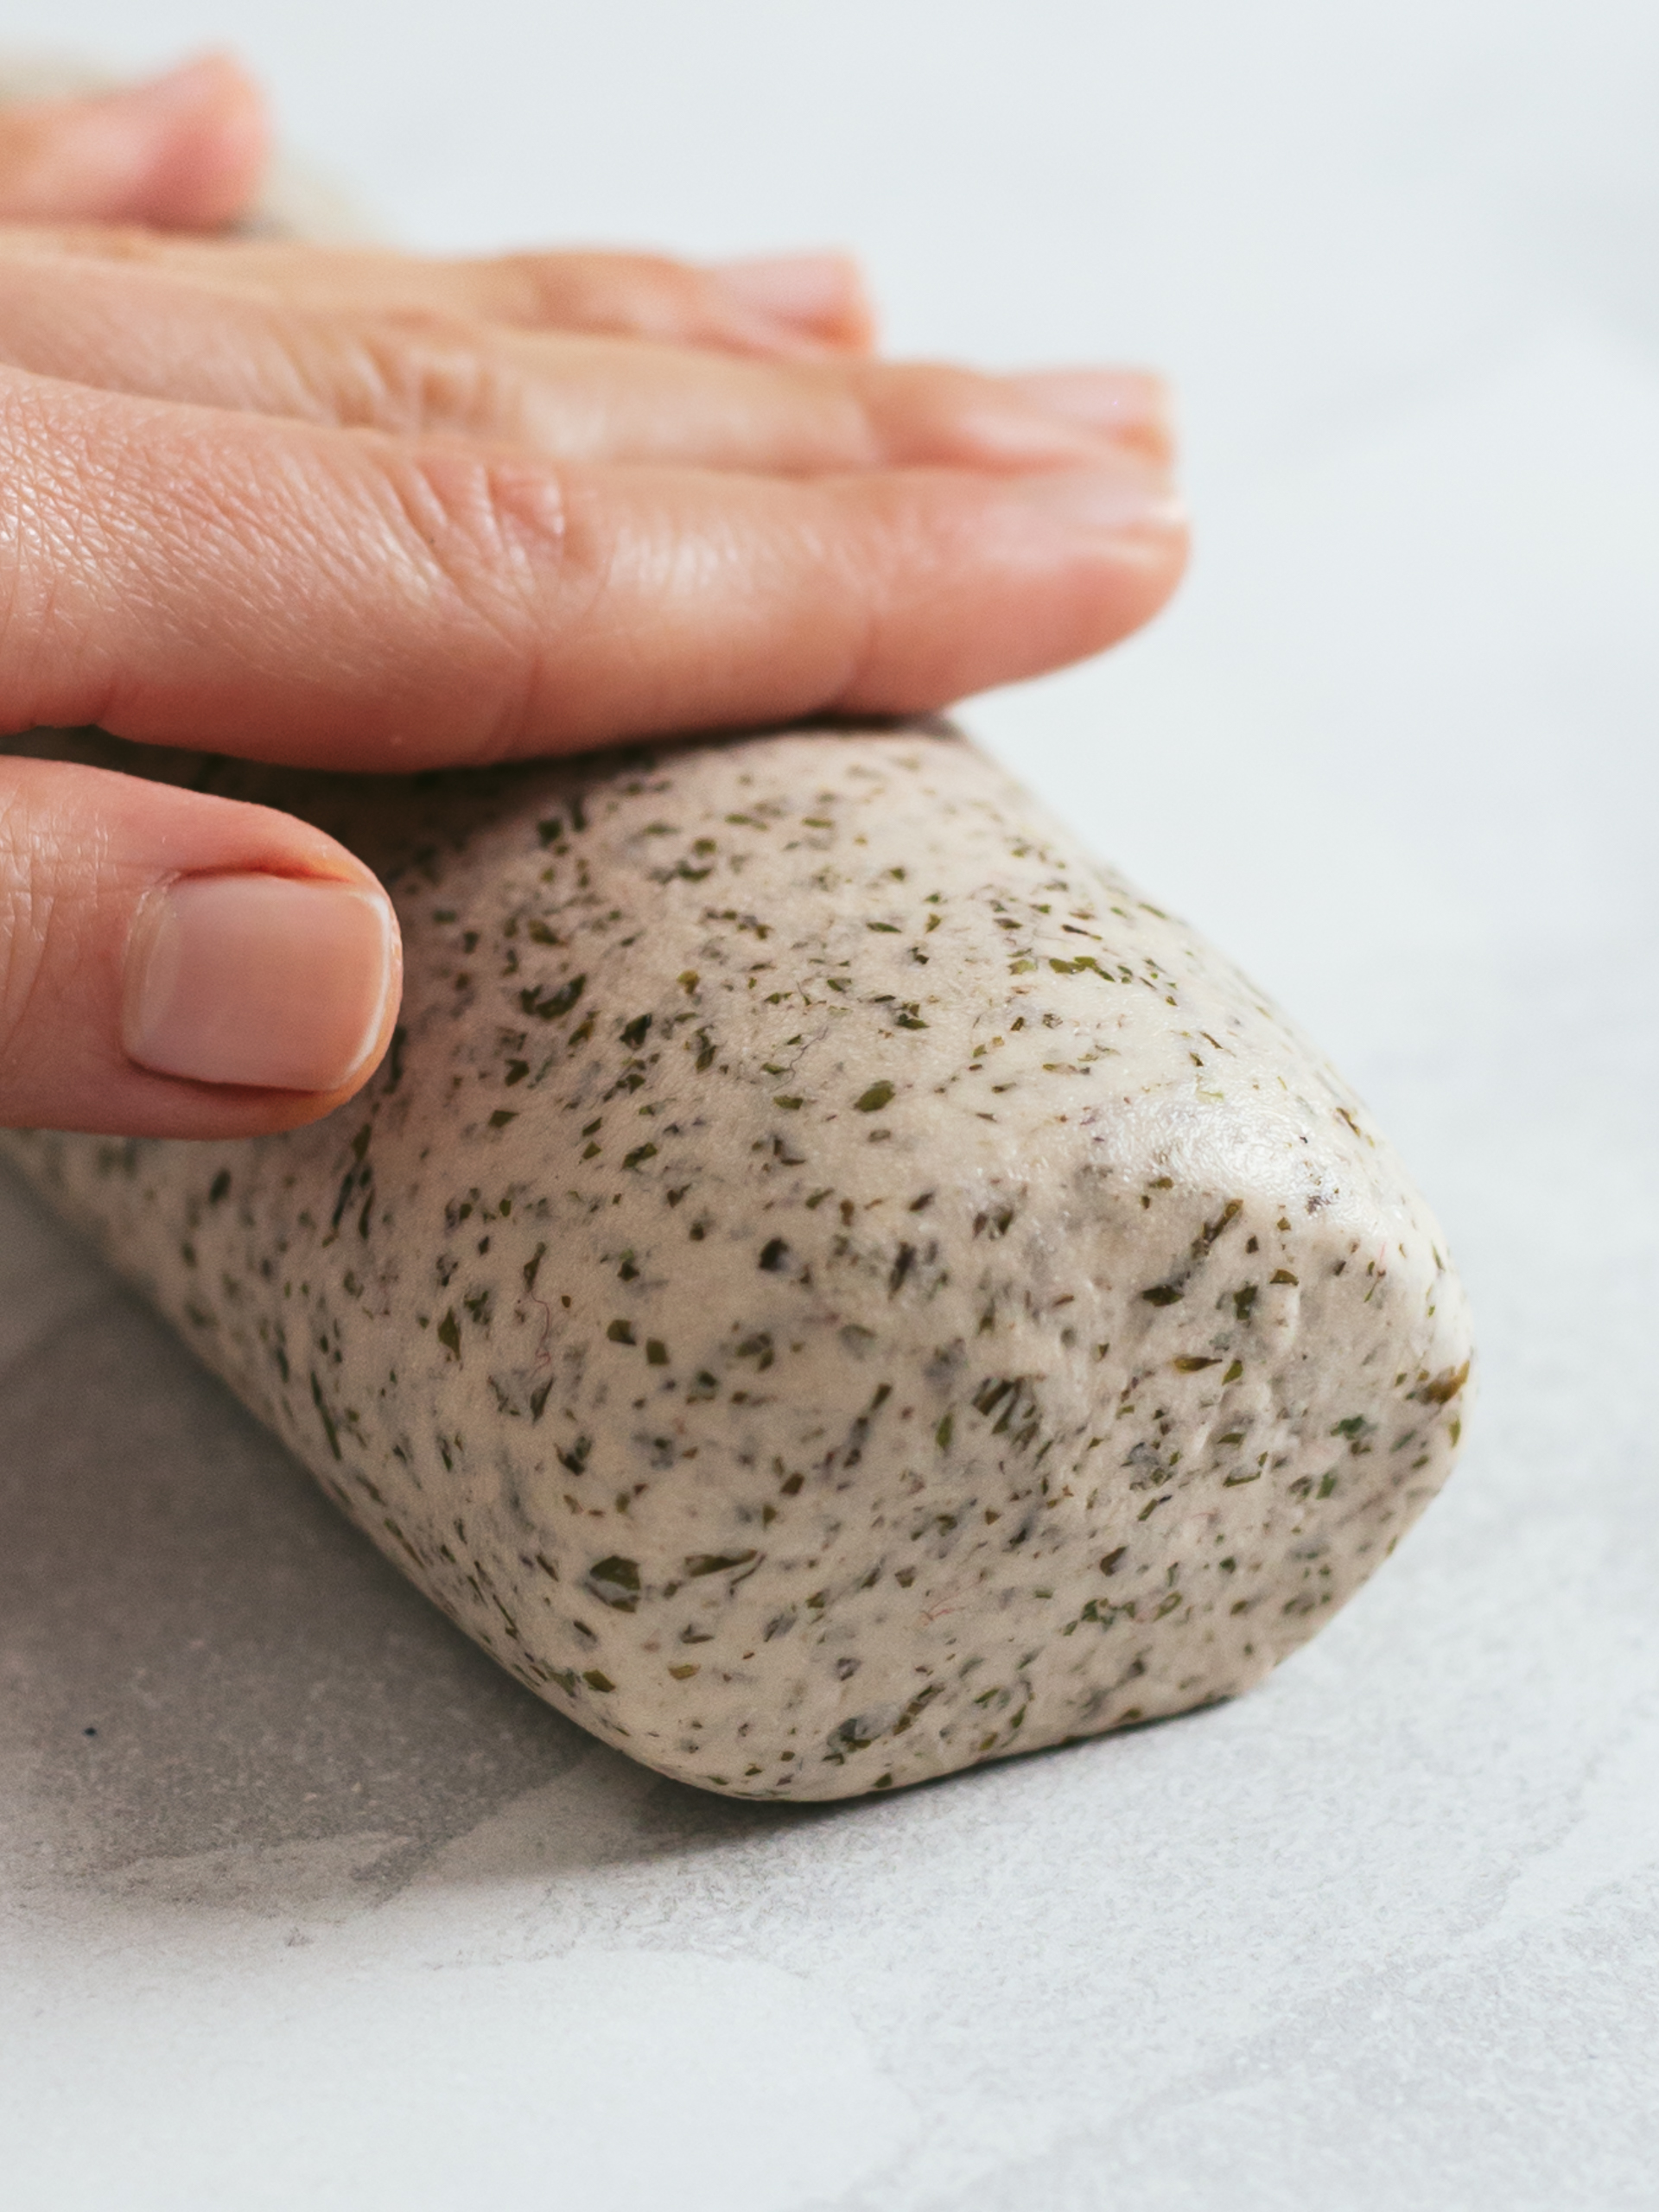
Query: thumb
[[175, 964], [183, 152]]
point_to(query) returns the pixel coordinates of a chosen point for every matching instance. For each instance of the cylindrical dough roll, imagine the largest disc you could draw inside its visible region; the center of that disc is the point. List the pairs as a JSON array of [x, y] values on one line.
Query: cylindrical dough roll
[[831, 1285]]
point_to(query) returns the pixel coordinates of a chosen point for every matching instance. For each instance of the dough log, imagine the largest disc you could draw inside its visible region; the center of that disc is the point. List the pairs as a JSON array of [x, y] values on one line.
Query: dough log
[[831, 1285]]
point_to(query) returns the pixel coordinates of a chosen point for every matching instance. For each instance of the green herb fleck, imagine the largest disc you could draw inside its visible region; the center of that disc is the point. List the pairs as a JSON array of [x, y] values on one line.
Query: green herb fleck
[[329, 1430], [1444, 1387], [615, 1582], [557, 1003]]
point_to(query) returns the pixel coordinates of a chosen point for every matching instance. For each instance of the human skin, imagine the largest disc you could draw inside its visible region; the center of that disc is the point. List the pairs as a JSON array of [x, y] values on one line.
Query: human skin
[[360, 510]]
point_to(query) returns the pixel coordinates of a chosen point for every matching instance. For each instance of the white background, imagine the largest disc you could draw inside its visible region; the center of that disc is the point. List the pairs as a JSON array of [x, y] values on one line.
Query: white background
[[327, 1912]]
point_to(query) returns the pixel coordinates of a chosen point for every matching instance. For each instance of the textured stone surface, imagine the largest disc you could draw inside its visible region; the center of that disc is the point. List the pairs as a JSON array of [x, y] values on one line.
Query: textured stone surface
[[831, 1285]]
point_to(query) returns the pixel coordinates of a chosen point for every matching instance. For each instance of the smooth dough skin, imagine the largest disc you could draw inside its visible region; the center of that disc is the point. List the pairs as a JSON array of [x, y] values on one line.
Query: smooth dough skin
[[830, 1286]]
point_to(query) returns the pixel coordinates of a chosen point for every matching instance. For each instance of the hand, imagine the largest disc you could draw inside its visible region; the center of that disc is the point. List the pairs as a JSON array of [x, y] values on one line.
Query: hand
[[358, 510]]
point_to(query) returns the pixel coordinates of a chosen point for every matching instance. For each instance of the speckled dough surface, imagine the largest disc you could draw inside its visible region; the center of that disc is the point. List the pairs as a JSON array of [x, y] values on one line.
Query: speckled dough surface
[[831, 1285]]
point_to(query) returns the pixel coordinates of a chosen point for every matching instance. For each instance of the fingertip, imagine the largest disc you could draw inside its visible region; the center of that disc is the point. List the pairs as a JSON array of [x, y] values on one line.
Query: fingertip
[[183, 965], [209, 131], [184, 151], [1120, 537], [1128, 407], [818, 298], [1048, 569]]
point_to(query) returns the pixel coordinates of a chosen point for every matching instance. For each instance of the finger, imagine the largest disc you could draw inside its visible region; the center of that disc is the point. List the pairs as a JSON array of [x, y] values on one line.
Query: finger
[[343, 599], [172, 964], [812, 304], [798, 308], [821, 296], [614, 400], [183, 152], [1125, 406], [147, 331]]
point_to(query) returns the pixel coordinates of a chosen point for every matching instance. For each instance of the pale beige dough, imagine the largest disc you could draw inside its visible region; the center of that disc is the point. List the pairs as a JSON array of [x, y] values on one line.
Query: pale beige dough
[[831, 1285]]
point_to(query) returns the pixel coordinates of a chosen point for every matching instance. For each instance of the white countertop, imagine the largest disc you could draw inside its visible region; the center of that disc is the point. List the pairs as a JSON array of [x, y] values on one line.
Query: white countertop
[[302, 1903]]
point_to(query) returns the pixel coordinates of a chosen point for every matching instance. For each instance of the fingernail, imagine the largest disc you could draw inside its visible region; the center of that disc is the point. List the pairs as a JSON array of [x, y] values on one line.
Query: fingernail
[[1124, 402], [260, 979], [813, 288], [1112, 501]]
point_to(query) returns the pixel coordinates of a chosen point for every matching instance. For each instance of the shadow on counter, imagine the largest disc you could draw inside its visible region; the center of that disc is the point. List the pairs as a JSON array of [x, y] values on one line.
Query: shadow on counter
[[199, 1656]]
